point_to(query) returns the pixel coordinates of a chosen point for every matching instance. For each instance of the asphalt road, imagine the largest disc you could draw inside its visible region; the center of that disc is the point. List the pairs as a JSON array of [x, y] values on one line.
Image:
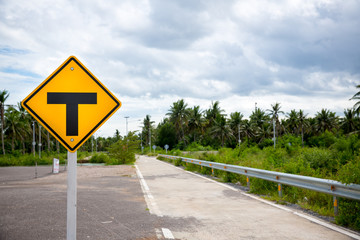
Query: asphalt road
[[218, 211], [110, 204]]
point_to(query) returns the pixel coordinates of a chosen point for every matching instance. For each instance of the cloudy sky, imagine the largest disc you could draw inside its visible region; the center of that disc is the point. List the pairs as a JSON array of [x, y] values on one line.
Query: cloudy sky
[[151, 53]]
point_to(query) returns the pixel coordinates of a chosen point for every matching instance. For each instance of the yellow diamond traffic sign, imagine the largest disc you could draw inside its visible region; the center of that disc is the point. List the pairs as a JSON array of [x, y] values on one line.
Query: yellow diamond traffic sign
[[71, 104]]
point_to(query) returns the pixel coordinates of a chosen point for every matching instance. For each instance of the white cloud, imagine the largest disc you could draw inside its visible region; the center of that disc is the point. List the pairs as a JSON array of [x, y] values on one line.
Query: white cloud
[[303, 54]]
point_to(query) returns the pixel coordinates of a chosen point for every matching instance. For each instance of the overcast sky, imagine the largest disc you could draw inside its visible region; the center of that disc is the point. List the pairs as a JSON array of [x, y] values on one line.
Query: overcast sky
[[302, 54]]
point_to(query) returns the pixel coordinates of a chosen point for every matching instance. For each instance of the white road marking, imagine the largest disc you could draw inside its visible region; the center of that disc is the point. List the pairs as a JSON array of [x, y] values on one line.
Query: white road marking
[[107, 222], [167, 233], [149, 198], [312, 219]]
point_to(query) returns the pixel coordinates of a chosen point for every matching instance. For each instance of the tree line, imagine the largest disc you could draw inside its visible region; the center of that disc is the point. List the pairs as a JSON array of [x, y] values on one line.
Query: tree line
[[184, 126]]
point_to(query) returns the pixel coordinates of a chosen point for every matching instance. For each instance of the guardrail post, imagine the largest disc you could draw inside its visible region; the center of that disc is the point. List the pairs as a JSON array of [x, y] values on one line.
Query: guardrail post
[[280, 189], [336, 206], [248, 182]]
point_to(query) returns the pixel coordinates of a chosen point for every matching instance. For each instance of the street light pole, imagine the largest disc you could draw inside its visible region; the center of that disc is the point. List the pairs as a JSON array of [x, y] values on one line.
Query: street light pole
[[34, 143], [34, 146], [274, 132], [239, 134], [92, 144], [95, 143], [39, 141], [126, 125], [141, 142], [150, 139]]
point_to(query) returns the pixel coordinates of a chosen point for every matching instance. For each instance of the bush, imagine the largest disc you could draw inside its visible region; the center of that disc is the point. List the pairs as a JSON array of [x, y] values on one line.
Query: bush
[[324, 140], [322, 160], [266, 143], [123, 151], [194, 146], [349, 213], [99, 158]]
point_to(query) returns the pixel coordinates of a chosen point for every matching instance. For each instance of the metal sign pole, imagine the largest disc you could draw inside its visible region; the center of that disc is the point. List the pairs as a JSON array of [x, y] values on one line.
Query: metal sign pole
[[71, 196]]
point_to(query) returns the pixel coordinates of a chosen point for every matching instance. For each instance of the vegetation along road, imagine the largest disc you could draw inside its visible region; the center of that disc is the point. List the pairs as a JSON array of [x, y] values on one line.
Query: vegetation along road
[[214, 210]]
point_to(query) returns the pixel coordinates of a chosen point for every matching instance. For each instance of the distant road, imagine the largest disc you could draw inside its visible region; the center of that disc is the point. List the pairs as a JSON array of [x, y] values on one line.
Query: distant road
[[210, 210]]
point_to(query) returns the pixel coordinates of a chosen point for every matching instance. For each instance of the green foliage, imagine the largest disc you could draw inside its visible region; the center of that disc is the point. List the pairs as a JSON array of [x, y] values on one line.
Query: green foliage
[[266, 143], [194, 146], [100, 158], [324, 140], [350, 172], [322, 160], [349, 213], [166, 135], [123, 151], [29, 159]]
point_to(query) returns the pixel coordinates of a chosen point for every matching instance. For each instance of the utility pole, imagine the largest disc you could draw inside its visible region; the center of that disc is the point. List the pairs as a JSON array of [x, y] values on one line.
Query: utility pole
[[141, 142], [239, 134], [39, 141], [95, 143], [2, 127], [150, 139], [34, 146], [92, 144], [34, 143], [274, 132], [127, 125]]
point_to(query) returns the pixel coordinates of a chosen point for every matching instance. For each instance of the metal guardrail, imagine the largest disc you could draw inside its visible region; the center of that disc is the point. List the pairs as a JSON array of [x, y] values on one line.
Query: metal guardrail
[[331, 187]]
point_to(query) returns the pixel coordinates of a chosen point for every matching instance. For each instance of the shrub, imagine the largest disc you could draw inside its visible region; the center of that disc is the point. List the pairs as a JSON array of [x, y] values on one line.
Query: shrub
[[123, 151], [349, 213], [266, 143], [194, 146], [325, 140], [99, 158], [321, 160]]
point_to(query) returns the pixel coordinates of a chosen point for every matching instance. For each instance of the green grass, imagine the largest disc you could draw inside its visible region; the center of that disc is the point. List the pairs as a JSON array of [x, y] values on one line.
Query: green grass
[[29, 159]]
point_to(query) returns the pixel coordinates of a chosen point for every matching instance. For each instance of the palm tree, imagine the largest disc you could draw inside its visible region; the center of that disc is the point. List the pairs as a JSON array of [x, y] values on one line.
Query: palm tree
[[25, 120], [349, 122], [303, 122], [14, 125], [221, 130], [235, 123], [293, 121], [356, 97], [325, 120], [179, 115], [147, 129], [196, 121], [274, 113], [213, 112], [259, 121], [3, 96], [249, 129], [259, 117]]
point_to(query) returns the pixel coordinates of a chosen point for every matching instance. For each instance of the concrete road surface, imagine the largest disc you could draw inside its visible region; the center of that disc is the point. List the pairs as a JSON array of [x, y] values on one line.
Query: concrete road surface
[[220, 212]]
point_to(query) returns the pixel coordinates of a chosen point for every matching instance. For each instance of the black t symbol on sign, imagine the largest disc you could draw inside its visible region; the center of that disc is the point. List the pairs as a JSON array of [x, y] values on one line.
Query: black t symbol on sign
[[72, 101]]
